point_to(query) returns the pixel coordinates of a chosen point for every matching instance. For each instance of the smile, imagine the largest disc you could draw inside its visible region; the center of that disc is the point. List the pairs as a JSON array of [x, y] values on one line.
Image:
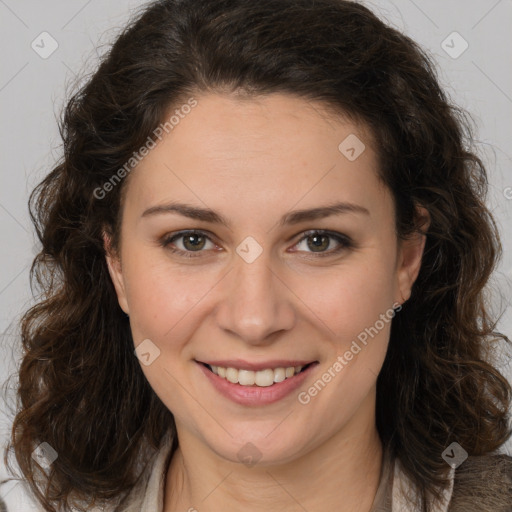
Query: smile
[[257, 386]]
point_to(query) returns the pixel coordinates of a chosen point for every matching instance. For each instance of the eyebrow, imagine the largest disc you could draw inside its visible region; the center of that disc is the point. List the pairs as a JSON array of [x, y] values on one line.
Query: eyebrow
[[290, 218]]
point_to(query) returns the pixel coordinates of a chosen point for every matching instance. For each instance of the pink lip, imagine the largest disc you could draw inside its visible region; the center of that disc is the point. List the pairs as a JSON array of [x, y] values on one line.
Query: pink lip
[[255, 395], [240, 364]]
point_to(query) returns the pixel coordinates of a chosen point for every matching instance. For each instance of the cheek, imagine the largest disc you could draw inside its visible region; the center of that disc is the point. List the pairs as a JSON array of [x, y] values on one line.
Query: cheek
[[163, 297], [357, 307], [165, 307], [355, 303], [350, 297]]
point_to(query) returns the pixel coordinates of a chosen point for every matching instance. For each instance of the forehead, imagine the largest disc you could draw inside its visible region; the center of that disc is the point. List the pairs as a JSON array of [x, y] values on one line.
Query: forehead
[[270, 150]]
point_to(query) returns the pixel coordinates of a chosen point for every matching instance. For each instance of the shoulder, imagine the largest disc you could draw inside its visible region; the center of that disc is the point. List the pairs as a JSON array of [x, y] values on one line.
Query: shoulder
[[483, 484]]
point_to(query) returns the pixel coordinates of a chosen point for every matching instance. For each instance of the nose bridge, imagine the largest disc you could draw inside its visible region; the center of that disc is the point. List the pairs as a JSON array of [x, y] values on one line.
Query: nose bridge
[[256, 303]]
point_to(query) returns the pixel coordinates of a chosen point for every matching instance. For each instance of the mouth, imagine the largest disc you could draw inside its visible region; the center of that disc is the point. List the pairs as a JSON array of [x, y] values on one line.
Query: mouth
[[257, 378], [257, 384]]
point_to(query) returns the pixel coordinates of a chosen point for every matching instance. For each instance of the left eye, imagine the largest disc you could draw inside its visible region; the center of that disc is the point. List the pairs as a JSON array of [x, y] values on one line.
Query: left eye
[[322, 240]]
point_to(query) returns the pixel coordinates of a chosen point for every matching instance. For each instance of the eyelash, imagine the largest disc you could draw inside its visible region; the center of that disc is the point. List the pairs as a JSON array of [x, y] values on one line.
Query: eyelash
[[344, 241]]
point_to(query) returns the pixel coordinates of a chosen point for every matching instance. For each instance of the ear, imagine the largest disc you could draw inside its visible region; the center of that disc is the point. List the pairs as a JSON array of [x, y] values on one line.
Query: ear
[[115, 271], [410, 253]]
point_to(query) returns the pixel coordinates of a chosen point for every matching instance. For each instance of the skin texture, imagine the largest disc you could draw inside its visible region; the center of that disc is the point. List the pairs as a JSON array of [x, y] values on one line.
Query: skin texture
[[252, 161]]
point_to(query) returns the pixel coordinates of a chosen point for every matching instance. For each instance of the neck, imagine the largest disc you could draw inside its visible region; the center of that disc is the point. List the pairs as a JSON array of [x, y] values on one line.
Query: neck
[[342, 474]]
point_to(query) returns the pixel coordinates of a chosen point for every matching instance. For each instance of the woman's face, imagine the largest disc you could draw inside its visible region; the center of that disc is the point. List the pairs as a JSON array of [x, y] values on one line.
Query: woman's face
[[255, 288]]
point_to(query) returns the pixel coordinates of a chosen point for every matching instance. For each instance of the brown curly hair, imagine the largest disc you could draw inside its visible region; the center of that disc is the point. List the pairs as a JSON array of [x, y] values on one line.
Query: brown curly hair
[[82, 390]]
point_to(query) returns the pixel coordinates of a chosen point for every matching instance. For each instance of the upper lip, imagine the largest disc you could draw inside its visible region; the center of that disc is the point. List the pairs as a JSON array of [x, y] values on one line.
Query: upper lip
[[240, 364]]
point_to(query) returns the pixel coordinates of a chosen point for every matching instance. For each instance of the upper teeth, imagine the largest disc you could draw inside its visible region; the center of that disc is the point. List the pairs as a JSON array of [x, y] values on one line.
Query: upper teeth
[[265, 377]]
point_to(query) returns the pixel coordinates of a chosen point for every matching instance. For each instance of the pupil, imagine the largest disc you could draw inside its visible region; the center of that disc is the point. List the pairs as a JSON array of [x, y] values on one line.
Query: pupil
[[190, 240], [317, 241]]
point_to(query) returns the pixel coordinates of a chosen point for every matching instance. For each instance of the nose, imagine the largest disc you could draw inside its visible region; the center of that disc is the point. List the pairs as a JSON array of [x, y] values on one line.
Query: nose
[[256, 302]]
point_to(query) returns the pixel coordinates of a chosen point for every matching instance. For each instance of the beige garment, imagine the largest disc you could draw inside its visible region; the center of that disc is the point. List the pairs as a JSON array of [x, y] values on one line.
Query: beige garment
[[396, 493], [148, 494]]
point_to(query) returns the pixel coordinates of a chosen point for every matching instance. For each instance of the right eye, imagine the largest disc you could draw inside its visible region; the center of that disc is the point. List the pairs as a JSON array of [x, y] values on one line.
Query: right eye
[[192, 242]]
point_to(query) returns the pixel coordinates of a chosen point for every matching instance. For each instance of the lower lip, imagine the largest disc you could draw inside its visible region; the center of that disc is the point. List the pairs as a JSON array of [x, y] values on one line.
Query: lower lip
[[256, 395]]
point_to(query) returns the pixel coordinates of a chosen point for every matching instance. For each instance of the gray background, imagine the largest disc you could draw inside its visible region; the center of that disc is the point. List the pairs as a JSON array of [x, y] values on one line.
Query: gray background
[[33, 92]]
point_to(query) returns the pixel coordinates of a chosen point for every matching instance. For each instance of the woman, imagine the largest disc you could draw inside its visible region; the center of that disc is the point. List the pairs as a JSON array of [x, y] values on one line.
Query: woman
[[263, 262]]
